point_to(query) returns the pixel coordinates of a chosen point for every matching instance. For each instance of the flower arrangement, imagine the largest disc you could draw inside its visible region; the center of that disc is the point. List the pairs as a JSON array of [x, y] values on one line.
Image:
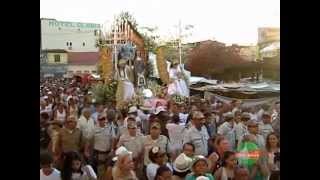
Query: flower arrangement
[[104, 93], [178, 99]]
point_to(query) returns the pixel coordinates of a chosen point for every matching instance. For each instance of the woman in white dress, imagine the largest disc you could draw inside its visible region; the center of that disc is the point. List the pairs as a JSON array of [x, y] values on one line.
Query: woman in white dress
[[125, 91], [178, 84]]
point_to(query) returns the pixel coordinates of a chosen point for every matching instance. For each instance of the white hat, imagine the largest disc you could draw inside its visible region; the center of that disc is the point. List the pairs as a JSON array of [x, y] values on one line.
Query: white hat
[[69, 97], [50, 93], [202, 178], [147, 93], [160, 109], [89, 92], [132, 109], [228, 115], [45, 97], [121, 151], [199, 158], [182, 163]]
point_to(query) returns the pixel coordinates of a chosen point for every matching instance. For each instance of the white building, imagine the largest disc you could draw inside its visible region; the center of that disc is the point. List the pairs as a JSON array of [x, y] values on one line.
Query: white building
[[70, 36]]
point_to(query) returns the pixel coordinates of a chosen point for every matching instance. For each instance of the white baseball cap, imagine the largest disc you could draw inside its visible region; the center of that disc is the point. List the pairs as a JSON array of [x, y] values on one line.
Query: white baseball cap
[[160, 109], [132, 109]]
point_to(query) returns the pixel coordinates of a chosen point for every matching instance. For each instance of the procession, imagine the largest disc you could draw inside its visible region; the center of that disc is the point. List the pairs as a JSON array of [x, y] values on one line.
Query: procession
[[145, 114]]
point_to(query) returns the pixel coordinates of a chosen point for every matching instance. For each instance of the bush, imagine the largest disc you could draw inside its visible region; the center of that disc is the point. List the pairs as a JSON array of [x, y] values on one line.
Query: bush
[[104, 93]]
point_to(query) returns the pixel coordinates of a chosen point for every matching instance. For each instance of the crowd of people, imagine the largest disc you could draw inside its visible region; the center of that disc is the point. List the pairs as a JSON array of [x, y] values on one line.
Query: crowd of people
[[194, 140]]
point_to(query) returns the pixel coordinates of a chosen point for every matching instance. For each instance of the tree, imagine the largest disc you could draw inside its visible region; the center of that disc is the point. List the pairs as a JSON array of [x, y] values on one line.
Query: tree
[[214, 59], [150, 36], [125, 15]]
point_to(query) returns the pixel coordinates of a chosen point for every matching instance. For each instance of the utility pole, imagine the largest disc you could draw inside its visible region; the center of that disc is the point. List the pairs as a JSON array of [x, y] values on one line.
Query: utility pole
[[180, 48]]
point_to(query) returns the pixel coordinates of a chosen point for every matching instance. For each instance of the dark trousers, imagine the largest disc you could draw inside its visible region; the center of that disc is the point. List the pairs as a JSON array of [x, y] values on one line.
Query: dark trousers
[[99, 161]]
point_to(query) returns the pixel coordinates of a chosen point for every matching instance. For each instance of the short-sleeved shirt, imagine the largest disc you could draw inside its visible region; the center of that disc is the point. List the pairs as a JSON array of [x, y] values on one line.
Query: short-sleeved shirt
[[152, 168], [198, 138], [70, 140], [102, 138], [148, 143], [229, 132], [132, 143], [55, 175], [240, 130], [265, 129], [176, 135], [86, 127]]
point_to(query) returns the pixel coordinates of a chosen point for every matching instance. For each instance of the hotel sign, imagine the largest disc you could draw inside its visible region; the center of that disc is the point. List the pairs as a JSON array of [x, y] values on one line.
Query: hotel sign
[[65, 24]]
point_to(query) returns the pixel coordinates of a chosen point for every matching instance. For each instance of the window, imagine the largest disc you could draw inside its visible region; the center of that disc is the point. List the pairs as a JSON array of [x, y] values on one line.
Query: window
[[83, 44], [70, 43], [96, 32], [57, 58], [93, 71], [67, 43]]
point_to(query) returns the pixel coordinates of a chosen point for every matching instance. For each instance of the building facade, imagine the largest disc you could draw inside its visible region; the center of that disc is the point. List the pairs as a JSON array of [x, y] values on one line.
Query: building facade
[[70, 36], [82, 63], [61, 44], [53, 62]]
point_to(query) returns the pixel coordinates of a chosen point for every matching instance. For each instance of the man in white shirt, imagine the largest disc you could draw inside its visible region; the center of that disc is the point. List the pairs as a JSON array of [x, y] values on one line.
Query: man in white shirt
[[265, 126], [198, 134], [86, 124], [99, 110], [227, 129], [47, 172], [102, 144], [241, 127]]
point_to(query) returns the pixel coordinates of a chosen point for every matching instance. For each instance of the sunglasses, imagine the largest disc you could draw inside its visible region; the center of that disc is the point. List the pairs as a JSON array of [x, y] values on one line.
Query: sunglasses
[[102, 119]]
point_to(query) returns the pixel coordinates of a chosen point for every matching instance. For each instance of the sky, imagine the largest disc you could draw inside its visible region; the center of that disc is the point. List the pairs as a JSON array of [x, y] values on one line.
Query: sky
[[228, 21]]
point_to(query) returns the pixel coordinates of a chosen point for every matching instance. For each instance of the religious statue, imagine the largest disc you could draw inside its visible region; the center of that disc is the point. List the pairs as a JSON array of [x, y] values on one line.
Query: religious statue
[[125, 76], [139, 68], [178, 80]]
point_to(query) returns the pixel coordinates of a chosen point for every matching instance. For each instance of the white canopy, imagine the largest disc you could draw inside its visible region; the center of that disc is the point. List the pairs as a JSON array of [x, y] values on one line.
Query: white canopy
[[272, 47]]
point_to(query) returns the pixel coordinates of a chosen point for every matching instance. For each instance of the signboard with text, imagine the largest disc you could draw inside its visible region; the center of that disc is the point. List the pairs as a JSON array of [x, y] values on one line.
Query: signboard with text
[[65, 24]]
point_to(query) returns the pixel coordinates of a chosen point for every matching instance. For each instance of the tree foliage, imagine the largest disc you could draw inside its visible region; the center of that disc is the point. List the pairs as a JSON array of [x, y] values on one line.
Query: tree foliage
[[125, 15], [104, 93], [212, 58]]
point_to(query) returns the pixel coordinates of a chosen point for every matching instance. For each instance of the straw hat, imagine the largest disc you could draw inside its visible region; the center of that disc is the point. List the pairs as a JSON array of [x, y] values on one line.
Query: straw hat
[[182, 163]]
